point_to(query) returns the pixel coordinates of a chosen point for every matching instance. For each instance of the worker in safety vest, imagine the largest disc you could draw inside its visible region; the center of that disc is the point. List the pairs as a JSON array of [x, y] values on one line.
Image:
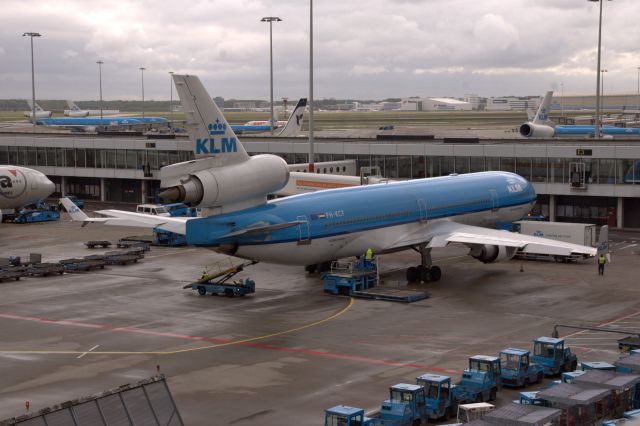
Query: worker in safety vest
[[368, 255], [601, 261]]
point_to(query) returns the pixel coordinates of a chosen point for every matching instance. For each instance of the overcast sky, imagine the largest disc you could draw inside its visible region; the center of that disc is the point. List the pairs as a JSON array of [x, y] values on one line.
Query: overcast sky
[[366, 49]]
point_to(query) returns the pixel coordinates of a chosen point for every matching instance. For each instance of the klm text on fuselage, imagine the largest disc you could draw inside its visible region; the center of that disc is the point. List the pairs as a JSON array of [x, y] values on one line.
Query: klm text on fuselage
[[215, 146]]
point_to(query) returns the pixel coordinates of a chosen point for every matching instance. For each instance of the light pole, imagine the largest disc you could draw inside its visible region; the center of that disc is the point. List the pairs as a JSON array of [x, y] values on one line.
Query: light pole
[[311, 166], [171, 97], [597, 127], [271, 20], [602, 89], [100, 78], [33, 80], [562, 99], [639, 89], [142, 74]]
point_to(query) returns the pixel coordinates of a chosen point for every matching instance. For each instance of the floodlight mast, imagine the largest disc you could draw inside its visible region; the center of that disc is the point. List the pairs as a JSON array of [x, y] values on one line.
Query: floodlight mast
[[33, 79]]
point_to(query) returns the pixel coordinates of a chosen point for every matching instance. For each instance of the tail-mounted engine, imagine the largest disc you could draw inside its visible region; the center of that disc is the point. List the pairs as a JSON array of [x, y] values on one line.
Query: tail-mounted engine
[[198, 184]]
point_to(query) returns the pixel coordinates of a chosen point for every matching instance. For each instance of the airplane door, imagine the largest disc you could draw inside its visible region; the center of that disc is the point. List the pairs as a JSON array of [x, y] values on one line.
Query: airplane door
[[303, 229], [494, 200], [422, 208]]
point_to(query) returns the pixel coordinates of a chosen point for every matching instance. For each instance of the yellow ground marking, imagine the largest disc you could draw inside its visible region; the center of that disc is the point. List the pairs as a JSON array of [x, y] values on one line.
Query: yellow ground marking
[[200, 348]]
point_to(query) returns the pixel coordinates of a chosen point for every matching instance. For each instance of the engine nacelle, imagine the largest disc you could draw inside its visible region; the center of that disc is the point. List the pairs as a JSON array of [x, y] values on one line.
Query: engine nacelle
[[530, 130], [228, 188], [490, 253]]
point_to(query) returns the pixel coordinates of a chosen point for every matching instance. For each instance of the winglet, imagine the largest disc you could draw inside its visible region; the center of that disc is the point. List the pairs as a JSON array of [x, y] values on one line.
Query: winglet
[[603, 240], [294, 124], [73, 210]]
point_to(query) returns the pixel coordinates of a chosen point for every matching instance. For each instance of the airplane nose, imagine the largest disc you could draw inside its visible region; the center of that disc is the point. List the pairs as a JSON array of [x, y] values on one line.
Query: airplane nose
[[48, 186]]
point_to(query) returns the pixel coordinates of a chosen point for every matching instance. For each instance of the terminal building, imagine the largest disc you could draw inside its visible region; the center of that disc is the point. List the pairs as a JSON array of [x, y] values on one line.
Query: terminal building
[[576, 181]]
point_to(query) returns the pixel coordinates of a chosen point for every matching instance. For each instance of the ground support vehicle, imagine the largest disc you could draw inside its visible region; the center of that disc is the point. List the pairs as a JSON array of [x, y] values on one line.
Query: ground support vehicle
[[215, 281], [517, 370], [523, 415], [575, 233], [360, 279], [97, 243], [553, 356], [82, 264], [532, 398], [475, 411], [44, 269], [122, 257], [569, 376], [625, 387], [580, 405], [629, 363], [348, 277], [343, 415], [439, 396], [11, 273], [480, 382], [33, 216], [167, 238], [134, 244], [405, 407], [629, 343], [597, 365]]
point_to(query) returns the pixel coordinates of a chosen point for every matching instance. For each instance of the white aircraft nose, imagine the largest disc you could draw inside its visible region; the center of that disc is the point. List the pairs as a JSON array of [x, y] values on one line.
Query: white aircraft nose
[[47, 186]]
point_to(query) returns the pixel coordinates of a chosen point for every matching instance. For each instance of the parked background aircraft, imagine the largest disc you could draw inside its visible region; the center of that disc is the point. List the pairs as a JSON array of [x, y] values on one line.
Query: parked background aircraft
[[90, 124], [541, 127], [40, 113], [291, 127], [314, 228], [75, 111], [20, 186]]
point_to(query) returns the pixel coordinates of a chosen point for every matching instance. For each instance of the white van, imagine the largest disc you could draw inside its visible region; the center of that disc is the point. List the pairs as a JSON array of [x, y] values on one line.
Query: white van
[[152, 209]]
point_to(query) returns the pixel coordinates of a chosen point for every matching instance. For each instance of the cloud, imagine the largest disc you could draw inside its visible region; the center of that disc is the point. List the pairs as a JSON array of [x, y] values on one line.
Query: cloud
[[68, 54], [373, 48], [368, 69]]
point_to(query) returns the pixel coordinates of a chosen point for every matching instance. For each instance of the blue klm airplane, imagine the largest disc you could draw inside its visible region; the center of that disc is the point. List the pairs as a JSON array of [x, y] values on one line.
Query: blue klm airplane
[[314, 228], [540, 126]]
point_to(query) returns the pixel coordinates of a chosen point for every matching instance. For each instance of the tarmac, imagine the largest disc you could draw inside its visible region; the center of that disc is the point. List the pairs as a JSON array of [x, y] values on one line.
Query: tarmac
[[287, 352]]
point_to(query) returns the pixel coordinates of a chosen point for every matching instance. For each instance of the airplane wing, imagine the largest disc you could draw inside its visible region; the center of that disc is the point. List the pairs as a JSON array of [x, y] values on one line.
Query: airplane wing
[[441, 233], [177, 225]]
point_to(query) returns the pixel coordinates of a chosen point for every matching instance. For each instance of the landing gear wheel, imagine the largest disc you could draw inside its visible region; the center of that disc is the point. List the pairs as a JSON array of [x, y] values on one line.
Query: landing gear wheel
[[412, 274], [311, 268], [202, 291], [425, 275], [419, 269], [435, 273]]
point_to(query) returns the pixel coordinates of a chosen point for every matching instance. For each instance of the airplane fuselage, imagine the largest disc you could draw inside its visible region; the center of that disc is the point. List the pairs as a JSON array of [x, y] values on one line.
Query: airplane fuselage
[[345, 222], [20, 186]]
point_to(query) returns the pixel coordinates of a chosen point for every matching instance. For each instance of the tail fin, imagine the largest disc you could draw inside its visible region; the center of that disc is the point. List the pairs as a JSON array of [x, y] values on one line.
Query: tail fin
[[208, 130], [72, 106], [294, 124], [73, 210], [542, 116], [603, 240]]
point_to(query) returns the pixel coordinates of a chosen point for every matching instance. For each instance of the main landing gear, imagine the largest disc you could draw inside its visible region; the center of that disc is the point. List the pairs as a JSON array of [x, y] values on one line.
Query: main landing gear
[[424, 272]]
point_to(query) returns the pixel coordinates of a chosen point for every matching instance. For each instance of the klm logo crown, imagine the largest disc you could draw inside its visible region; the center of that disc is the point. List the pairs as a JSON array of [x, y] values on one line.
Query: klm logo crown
[[217, 128]]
